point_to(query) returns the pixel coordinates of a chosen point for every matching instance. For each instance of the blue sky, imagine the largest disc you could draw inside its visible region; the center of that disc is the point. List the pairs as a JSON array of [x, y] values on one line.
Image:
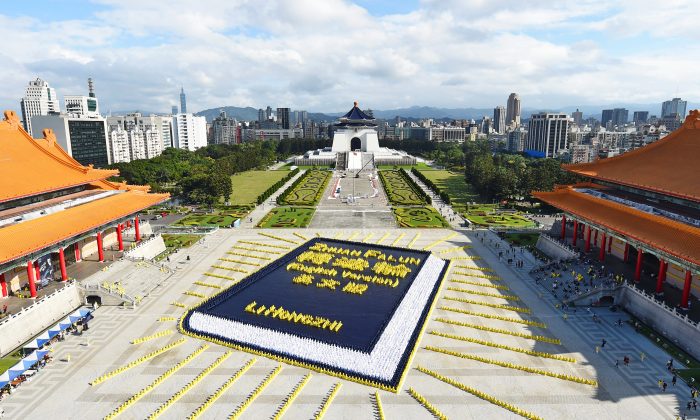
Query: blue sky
[[323, 54]]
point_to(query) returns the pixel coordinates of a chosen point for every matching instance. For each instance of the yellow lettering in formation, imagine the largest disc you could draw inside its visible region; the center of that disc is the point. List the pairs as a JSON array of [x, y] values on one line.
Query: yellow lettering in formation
[[282, 314]]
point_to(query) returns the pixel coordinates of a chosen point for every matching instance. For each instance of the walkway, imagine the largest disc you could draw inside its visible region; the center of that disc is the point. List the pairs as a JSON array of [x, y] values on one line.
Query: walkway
[[453, 218], [580, 332], [262, 209]]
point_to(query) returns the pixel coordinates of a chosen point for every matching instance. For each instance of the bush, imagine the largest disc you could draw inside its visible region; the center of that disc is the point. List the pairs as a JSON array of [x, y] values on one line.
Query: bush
[[265, 195]]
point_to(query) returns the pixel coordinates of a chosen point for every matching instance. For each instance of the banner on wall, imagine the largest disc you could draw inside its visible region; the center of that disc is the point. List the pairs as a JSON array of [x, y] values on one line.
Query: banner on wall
[[45, 269]]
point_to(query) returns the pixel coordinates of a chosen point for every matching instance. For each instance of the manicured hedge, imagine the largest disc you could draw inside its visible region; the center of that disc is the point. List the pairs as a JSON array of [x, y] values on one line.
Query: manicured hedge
[[443, 194], [277, 185]]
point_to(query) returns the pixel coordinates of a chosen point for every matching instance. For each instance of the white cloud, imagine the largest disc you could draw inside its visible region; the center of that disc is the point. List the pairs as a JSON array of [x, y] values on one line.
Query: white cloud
[[322, 55]]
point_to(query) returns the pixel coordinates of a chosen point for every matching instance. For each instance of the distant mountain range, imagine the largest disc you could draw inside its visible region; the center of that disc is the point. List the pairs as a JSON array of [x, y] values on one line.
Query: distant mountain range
[[421, 112]]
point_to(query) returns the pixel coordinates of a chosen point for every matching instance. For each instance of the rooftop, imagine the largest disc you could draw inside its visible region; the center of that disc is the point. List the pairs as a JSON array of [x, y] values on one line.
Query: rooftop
[[675, 238], [668, 166], [35, 166]]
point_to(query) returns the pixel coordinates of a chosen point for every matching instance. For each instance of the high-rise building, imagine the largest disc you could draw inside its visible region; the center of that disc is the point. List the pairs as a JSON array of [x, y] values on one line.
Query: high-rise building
[[547, 134], [606, 117], [303, 118], [513, 111], [39, 99], [268, 113], [173, 109], [261, 115], [183, 101], [640, 117], [499, 119], [80, 106], [189, 132], [486, 125], [620, 116], [84, 138], [516, 140], [135, 137], [225, 129], [615, 117], [674, 106], [577, 117], [283, 118]]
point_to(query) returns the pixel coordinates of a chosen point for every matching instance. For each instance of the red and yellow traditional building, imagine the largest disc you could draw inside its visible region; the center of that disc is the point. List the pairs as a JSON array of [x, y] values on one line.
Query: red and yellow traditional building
[[55, 211], [642, 203]]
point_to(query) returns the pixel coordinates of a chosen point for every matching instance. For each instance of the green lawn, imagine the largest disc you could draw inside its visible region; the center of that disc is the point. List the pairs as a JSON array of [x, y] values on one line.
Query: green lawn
[[399, 190], [419, 217], [7, 362], [490, 215], [287, 217], [308, 191], [522, 239], [248, 185], [455, 185], [180, 241]]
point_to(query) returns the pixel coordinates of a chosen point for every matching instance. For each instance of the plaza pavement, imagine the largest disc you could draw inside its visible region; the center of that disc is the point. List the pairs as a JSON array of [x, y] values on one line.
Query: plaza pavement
[[62, 390]]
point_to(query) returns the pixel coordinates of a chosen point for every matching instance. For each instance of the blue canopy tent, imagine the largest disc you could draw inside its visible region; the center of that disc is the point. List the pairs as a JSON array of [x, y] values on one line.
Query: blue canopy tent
[[62, 325], [22, 366]]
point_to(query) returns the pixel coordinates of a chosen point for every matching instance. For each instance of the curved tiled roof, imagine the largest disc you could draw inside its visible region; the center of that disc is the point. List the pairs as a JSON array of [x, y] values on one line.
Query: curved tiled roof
[[30, 167], [356, 114], [45, 231], [674, 238], [669, 166]]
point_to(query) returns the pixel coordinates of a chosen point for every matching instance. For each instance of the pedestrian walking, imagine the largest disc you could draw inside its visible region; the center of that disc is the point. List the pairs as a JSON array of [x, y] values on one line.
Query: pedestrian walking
[[674, 380], [617, 363], [626, 360], [602, 343], [642, 356], [659, 382], [597, 349], [695, 405], [664, 385]]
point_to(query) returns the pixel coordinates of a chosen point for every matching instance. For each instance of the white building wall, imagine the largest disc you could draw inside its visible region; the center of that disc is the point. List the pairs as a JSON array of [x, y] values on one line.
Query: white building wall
[[39, 99]]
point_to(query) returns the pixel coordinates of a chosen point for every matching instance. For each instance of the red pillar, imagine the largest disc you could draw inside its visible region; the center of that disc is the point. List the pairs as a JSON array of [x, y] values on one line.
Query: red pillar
[[100, 251], [3, 284], [686, 289], [610, 244], [588, 239], [30, 278], [595, 238], [626, 257], [76, 247], [601, 255], [563, 227], [120, 241], [638, 267], [661, 277], [573, 240], [62, 264], [137, 232]]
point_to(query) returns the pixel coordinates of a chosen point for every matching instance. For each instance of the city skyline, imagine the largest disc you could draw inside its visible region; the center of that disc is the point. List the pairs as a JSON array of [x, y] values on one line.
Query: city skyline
[[247, 54]]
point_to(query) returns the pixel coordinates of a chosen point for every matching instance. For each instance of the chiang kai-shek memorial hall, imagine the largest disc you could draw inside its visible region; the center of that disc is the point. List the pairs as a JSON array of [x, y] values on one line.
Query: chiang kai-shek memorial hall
[[641, 205], [55, 211]]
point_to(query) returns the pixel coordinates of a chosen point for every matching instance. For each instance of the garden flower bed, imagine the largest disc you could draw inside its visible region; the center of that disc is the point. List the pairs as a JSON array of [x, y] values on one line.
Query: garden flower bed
[[287, 217], [353, 310], [419, 217], [401, 190], [306, 190]]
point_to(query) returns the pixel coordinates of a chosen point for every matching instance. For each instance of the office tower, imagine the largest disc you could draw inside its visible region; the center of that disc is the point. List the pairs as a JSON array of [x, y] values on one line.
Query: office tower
[[80, 106], [516, 140], [620, 116], [224, 129], [499, 119], [173, 110], [577, 116], [640, 117], [486, 125], [513, 111], [675, 106], [547, 134], [283, 118], [606, 117], [183, 101], [189, 132], [303, 117], [39, 99], [268, 113], [261, 115], [82, 137]]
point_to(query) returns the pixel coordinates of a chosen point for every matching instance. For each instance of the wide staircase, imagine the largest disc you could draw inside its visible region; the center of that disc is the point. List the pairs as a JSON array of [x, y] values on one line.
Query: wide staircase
[[341, 161], [367, 162]]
